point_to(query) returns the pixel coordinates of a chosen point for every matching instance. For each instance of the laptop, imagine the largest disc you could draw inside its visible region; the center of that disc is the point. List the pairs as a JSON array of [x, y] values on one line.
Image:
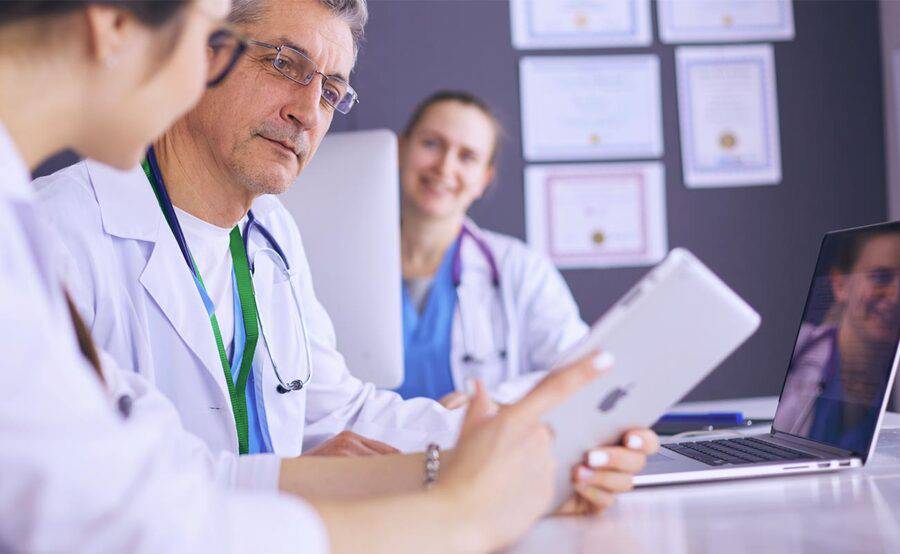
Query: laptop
[[347, 206], [838, 379]]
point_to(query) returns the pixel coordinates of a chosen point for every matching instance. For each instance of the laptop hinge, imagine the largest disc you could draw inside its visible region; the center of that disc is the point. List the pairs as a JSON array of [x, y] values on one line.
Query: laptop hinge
[[815, 446]]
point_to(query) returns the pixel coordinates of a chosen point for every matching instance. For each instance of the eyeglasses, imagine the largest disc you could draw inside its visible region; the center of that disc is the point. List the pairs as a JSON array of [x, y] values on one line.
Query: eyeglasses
[[297, 67], [225, 48]]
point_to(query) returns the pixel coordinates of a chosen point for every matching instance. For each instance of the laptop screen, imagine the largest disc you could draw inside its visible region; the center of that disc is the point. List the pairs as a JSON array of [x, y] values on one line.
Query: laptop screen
[[842, 359]]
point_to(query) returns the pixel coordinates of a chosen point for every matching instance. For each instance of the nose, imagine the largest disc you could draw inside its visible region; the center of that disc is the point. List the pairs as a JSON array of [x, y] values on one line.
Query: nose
[[303, 104], [445, 165]]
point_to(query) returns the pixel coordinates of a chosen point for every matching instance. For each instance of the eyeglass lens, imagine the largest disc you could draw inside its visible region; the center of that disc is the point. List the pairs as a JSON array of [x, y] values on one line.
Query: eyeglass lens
[[297, 67]]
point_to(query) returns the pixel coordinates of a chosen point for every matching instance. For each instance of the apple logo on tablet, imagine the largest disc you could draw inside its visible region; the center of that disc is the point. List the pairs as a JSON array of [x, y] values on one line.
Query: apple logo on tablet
[[613, 397]]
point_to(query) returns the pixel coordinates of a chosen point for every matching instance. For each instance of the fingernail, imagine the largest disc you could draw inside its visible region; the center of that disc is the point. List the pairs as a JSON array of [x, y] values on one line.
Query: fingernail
[[597, 458], [584, 474], [634, 442], [604, 361], [470, 386]]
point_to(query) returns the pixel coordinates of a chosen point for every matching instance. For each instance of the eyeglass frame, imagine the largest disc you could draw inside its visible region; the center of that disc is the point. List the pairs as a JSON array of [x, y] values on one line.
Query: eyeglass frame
[[315, 71], [228, 30]]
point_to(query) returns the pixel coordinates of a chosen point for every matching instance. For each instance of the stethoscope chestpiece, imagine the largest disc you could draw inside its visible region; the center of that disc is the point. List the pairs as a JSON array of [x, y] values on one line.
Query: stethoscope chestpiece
[[292, 386]]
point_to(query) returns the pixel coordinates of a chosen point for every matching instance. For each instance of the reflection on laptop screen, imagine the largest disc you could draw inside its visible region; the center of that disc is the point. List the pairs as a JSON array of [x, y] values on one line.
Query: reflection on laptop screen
[[844, 353]]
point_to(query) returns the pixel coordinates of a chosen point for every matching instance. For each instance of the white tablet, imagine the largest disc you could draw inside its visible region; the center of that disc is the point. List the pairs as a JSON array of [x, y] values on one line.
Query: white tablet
[[666, 334]]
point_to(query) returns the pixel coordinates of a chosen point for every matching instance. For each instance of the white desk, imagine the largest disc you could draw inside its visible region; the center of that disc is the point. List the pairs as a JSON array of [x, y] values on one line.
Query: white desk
[[848, 511]]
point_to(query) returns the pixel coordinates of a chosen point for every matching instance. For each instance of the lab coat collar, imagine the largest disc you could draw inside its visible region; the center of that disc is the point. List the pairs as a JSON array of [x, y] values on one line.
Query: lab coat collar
[[15, 179], [129, 210], [128, 207]]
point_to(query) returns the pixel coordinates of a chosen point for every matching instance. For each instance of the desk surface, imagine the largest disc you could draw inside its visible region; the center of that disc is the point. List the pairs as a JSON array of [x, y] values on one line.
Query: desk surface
[[854, 510]]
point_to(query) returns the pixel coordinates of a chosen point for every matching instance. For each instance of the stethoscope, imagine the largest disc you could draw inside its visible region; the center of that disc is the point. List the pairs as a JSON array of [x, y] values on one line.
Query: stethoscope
[[273, 251], [456, 276]]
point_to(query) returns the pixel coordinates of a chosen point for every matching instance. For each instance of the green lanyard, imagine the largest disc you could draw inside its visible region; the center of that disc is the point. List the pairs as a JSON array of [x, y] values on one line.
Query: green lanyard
[[236, 390]]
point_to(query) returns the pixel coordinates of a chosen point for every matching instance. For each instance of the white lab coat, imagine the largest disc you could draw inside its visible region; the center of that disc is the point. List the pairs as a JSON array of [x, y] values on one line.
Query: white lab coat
[[541, 318], [132, 284], [76, 476]]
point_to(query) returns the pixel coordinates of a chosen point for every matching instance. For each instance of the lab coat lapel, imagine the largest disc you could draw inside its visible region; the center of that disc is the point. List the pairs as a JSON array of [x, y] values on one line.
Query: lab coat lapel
[[129, 210], [167, 279]]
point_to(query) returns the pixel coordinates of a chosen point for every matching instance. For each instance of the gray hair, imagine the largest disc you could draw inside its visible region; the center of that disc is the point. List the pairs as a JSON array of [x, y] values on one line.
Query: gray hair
[[354, 13]]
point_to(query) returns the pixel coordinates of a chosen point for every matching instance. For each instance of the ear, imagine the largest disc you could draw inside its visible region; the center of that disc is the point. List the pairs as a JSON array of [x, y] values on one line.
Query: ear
[[489, 175], [107, 32], [839, 286]]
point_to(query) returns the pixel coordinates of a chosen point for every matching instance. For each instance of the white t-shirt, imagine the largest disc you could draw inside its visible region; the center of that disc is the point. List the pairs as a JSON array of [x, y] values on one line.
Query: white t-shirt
[[209, 245]]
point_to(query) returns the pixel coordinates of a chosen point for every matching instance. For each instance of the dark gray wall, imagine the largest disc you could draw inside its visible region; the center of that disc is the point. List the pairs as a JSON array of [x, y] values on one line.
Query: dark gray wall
[[762, 240]]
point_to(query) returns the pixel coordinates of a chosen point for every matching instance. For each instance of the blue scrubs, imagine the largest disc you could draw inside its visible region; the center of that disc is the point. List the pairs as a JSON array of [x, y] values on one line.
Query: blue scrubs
[[427, 336], [828, 422]]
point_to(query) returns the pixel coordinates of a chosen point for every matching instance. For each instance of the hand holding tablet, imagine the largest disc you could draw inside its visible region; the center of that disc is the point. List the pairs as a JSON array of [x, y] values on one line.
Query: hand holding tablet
[[666, 334]]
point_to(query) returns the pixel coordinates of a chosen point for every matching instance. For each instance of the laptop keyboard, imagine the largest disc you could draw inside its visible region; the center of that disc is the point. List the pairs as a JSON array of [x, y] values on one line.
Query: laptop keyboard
[[736, 452]]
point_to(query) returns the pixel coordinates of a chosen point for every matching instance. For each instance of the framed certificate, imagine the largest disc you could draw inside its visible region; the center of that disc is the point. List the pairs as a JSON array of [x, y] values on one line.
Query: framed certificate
[[725, 20], [728, 112], [590, 107], [597, 215], [580, 23]]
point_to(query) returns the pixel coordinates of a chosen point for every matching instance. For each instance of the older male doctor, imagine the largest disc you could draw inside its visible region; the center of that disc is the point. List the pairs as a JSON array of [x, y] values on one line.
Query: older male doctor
[[161, 266], [191, 274]]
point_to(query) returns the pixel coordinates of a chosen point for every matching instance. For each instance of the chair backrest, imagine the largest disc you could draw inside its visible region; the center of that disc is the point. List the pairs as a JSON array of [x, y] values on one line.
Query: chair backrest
[[346, 203]]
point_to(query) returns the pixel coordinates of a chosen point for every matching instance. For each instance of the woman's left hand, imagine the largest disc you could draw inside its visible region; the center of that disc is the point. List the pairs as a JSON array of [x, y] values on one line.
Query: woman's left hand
[[607, 471]]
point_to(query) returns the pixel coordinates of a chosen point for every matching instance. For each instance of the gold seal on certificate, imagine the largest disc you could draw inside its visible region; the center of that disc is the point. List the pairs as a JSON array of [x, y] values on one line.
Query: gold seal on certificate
[[727, 20], [594, 138], [727, 140], [598, 237], [581, 20]]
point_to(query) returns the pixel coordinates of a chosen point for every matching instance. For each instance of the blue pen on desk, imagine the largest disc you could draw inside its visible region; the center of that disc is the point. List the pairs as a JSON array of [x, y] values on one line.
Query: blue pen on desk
[[708, 418]]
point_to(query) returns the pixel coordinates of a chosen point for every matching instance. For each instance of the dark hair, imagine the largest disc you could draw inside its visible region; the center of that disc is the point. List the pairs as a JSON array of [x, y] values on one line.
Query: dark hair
[[465, 98], [847, 251], [149, 12]]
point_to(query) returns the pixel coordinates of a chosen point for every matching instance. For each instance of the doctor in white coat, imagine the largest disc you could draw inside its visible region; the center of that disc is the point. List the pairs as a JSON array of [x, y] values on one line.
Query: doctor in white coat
[[477, 304], [156, 257], [249, 137]]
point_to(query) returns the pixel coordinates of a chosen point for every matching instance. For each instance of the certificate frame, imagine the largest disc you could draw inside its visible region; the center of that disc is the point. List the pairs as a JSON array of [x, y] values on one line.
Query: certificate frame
[[542, 182], [527, 36], [698, 174], [547, 139], [670, 32], [554, 181]]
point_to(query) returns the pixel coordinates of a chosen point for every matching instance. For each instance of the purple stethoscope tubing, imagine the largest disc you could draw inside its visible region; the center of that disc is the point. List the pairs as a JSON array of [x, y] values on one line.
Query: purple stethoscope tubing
[[456, 276]]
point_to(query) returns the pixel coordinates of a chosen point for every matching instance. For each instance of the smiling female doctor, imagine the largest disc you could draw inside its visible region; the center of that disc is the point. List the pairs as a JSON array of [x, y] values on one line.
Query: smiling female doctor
[[476, 304]]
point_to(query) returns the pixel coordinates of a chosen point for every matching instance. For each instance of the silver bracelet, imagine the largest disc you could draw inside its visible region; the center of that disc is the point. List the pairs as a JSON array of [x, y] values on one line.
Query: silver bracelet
[[432, 464]]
